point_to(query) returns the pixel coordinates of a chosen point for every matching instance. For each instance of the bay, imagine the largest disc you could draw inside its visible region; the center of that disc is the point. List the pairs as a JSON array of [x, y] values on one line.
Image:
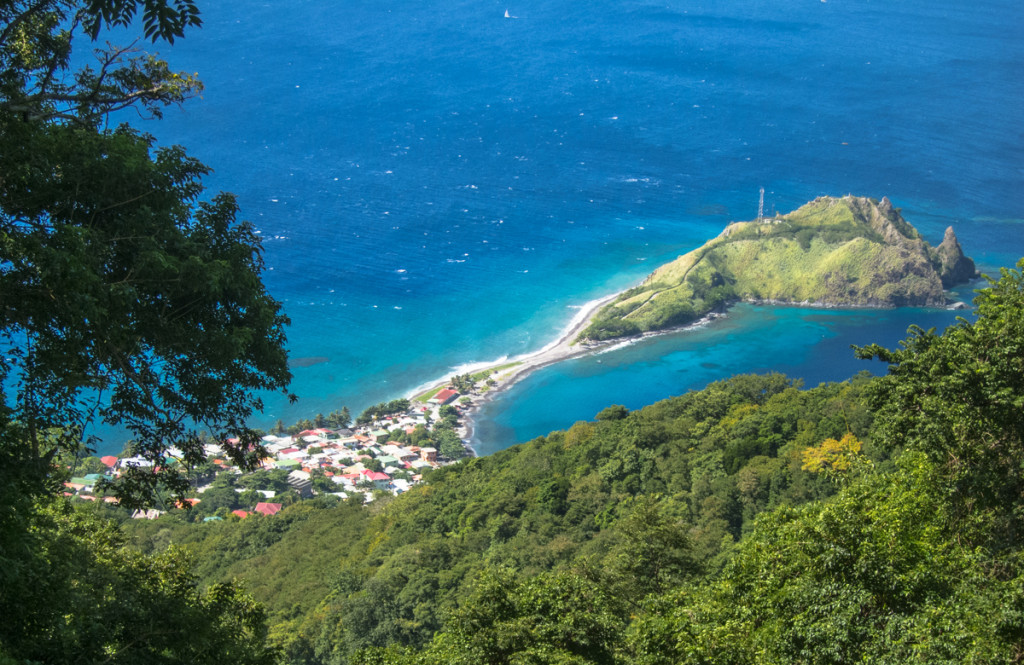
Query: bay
[[439, 186]]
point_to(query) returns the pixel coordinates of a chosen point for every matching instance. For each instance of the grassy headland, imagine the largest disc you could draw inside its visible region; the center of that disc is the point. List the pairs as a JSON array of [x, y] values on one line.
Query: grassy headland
[[848, 251]]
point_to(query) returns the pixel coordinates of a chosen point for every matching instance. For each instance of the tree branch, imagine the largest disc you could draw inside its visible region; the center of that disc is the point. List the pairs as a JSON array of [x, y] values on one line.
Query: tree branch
[[21, 18]]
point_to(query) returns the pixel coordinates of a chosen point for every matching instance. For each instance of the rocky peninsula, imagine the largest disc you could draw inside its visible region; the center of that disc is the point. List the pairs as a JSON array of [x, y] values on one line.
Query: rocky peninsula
[[832, 252]]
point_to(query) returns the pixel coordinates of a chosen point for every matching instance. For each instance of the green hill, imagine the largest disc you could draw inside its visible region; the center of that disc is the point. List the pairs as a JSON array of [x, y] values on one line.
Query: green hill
[[876, 520], [916, 559], [338, 578], [850, 251]]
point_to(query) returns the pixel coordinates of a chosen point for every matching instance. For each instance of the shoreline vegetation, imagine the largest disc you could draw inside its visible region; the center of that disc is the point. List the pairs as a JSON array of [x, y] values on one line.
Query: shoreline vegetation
[[902, 267]]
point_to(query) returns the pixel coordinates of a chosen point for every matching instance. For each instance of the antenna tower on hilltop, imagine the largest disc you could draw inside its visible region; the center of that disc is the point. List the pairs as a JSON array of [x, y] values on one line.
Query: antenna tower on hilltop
[[760, 207]]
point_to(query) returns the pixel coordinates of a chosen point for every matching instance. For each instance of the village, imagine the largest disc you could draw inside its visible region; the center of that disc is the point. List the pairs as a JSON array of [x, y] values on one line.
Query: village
[[386, 451]]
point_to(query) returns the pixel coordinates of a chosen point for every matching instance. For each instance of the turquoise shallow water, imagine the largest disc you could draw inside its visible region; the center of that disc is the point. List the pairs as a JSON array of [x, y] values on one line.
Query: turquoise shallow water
[[807, 343], [439, 186]]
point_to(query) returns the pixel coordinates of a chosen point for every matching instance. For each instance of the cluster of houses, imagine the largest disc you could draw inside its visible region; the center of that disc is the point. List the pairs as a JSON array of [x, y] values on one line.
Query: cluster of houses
[[360, 460]]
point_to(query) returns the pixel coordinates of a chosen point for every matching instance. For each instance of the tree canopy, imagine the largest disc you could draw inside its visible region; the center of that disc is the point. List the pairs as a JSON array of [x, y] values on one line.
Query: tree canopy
[[37, 83], [126, 296], [749, 522]]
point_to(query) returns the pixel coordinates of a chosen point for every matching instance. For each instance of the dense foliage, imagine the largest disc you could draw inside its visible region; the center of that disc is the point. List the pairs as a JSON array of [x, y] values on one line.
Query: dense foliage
[[920, 562], [579, 500], [76, 594], [749, 522], [128, 298], [125, 296]]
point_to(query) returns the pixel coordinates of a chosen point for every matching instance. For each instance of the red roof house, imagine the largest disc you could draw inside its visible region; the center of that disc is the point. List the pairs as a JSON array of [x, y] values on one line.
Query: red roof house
[[267, 508], [109, 460], [444, 396], [242, 514]]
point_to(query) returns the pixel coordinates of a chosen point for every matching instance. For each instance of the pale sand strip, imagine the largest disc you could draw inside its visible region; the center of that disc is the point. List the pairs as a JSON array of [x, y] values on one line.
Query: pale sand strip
[[562, 348]]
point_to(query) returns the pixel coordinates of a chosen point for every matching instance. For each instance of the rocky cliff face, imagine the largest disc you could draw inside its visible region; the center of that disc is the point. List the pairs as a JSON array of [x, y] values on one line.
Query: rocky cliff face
[[954, 266], [886, 220]]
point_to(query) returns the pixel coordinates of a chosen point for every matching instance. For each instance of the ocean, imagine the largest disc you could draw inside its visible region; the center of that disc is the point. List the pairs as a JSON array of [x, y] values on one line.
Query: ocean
[[439, 186]]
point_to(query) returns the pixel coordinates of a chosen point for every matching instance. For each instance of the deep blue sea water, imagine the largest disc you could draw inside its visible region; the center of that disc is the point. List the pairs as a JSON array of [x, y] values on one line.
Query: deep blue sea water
[[438, 185]]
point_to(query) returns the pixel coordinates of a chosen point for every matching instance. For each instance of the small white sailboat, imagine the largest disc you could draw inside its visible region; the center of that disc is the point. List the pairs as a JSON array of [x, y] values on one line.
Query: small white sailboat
[[507, 14]]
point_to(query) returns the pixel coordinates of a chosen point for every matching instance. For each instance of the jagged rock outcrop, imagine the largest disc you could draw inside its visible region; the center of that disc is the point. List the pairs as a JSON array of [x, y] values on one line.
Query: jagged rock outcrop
[[954, 266], [831, 252]]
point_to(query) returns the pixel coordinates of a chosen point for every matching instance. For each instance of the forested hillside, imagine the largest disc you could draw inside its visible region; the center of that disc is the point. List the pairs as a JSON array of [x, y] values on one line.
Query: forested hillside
[[914, 562], [704, 463], [752, 521], [877, 520]]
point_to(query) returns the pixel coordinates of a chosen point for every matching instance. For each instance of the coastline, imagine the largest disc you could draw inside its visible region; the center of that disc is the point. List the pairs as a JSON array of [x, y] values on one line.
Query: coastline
[[562, 348]]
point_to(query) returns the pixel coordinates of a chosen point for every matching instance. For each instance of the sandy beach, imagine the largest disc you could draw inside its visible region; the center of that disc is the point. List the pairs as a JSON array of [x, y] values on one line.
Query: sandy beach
[[563, 348]]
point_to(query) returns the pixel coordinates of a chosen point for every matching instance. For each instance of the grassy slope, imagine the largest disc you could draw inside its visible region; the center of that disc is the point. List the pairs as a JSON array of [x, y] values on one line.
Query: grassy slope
[[839, 252]]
